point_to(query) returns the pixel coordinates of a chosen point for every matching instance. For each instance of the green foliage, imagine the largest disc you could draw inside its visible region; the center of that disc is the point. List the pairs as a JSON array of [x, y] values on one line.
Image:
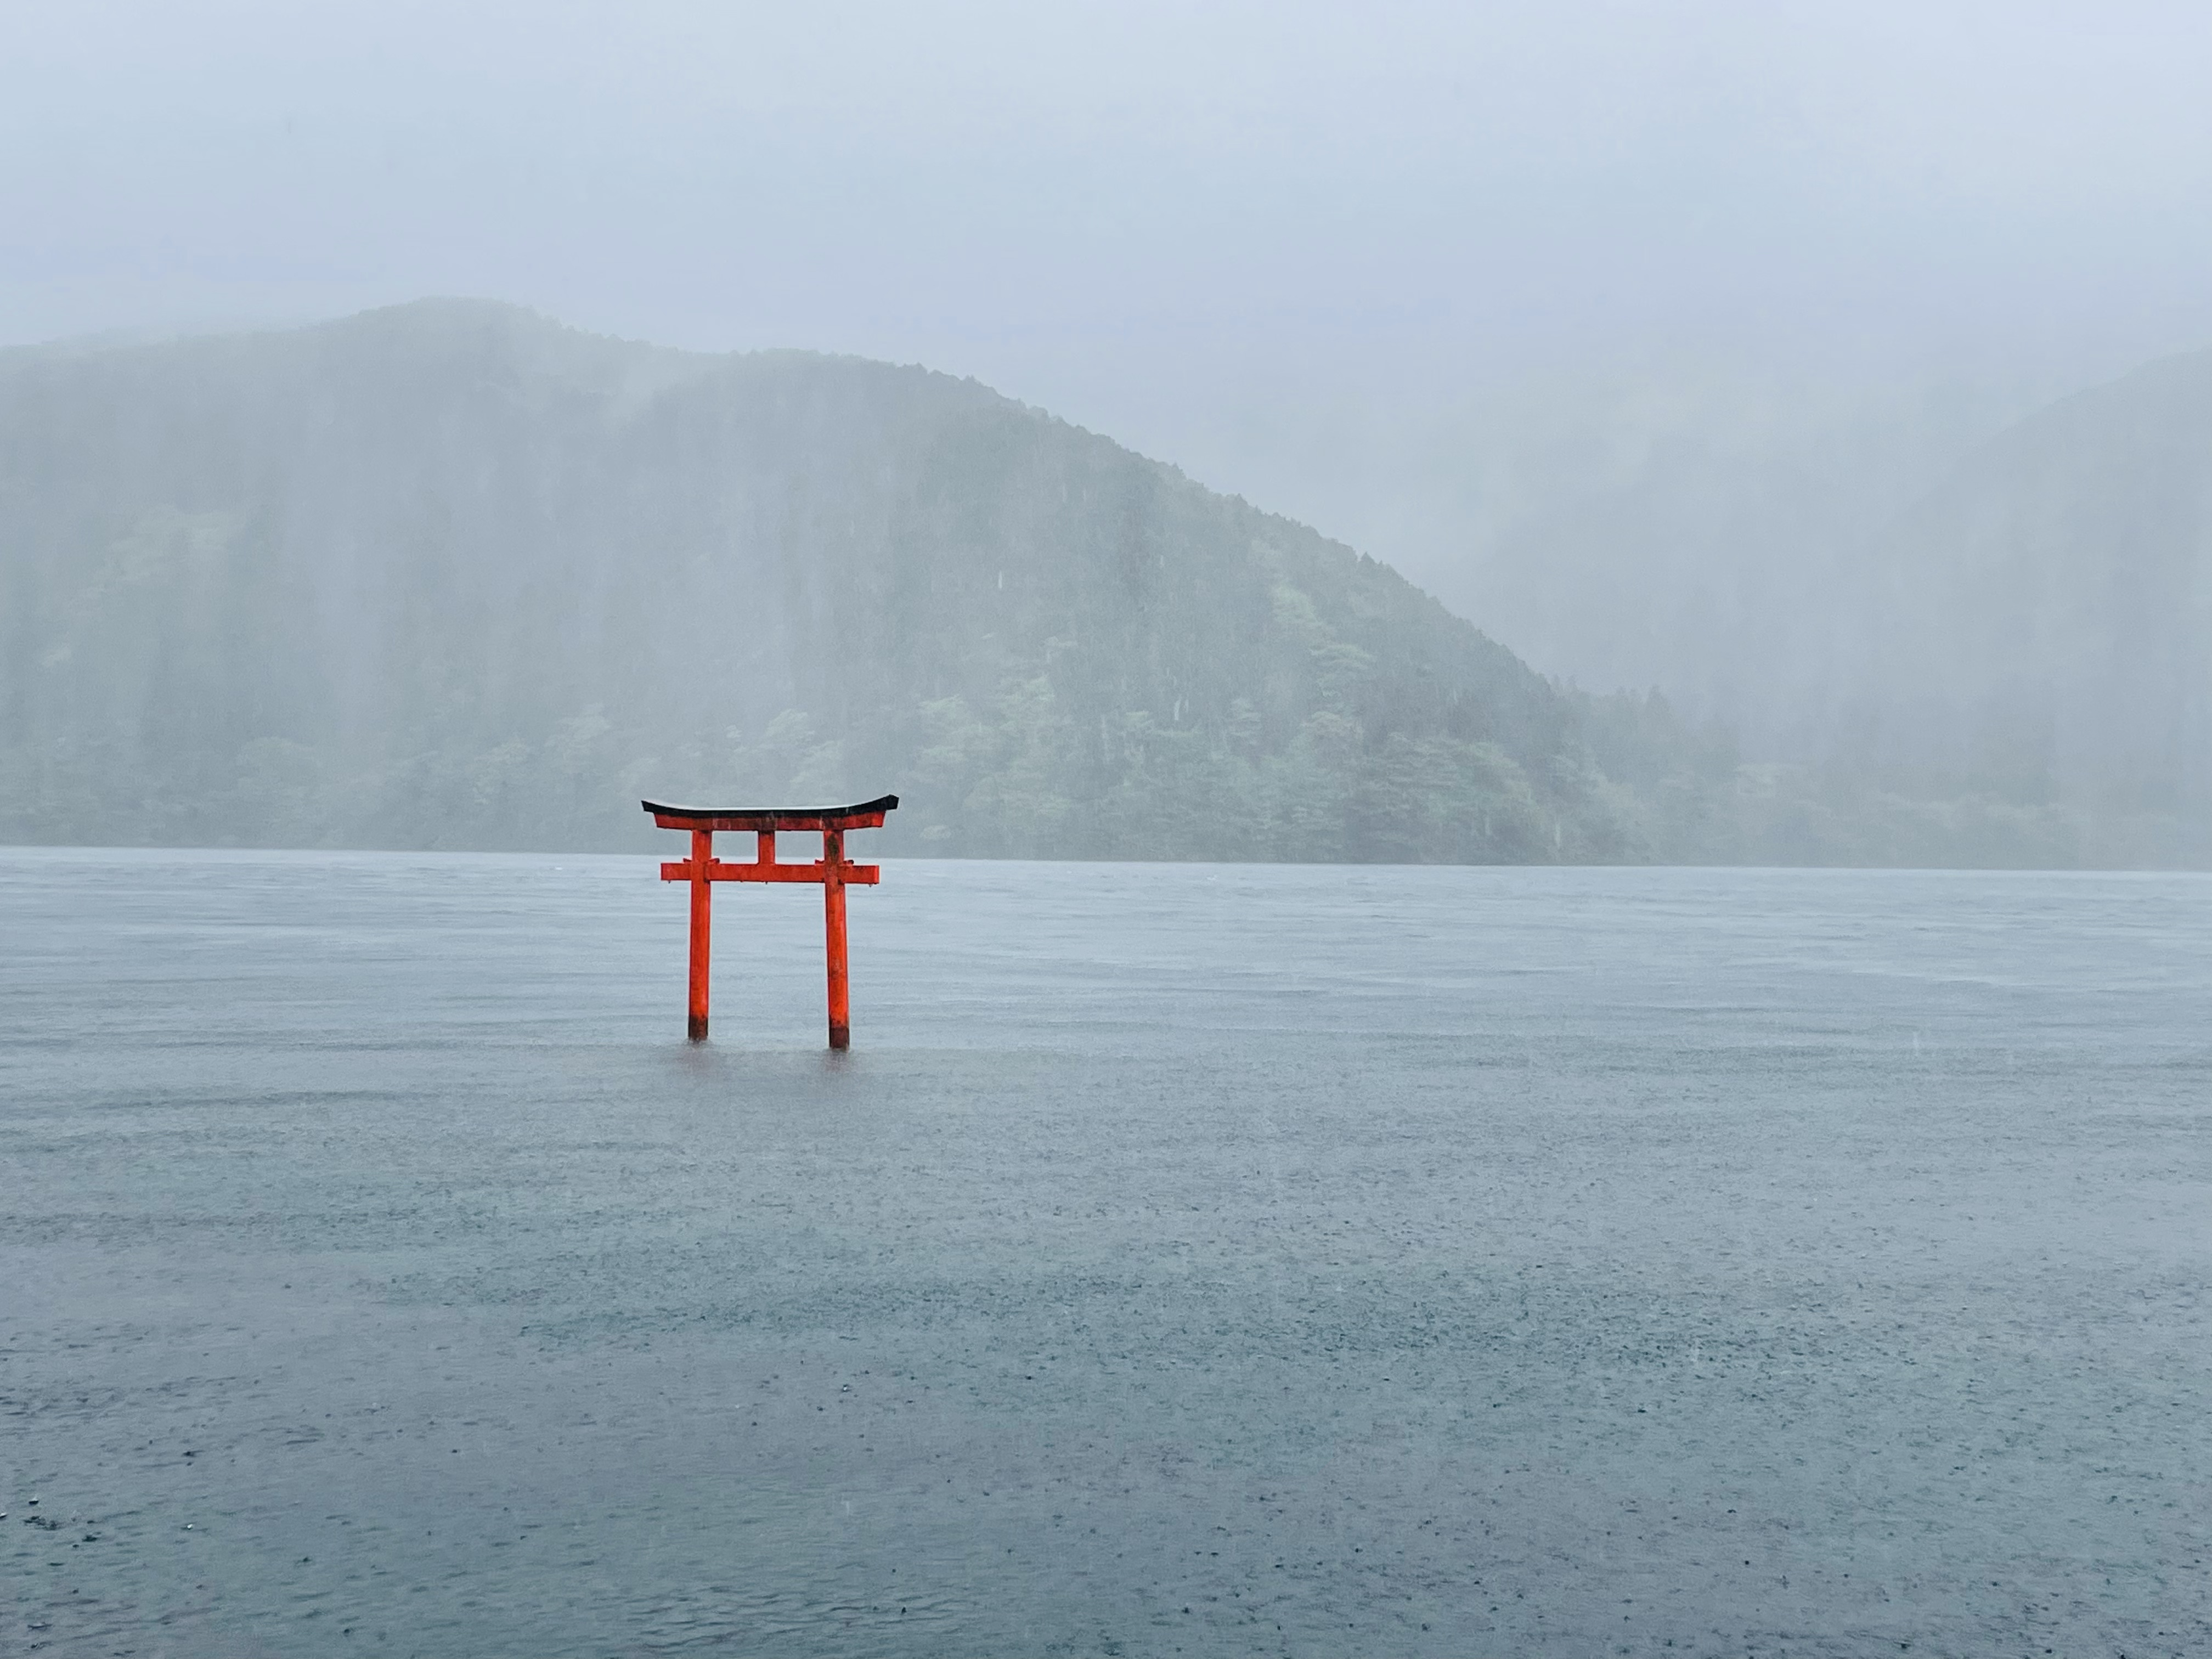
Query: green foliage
[[449, 576]]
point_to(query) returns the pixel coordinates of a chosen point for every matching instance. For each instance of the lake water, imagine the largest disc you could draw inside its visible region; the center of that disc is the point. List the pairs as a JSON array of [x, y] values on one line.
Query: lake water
[[1213, 1259]]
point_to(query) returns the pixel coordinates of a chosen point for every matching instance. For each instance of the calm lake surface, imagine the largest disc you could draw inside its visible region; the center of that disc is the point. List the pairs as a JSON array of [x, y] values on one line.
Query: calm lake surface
[[1200, 1259]]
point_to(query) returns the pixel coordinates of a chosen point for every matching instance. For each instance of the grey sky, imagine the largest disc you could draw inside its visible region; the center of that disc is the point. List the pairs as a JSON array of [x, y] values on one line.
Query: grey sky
[[1145, 217]]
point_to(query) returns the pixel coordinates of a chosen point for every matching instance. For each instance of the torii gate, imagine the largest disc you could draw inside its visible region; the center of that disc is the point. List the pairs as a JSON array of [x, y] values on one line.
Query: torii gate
[[702, 868]]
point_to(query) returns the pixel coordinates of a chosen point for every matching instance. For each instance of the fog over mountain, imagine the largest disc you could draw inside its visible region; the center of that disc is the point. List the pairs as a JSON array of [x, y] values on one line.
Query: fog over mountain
[[452, 574], [1826, 370], [1908, 583], [2040, 624]]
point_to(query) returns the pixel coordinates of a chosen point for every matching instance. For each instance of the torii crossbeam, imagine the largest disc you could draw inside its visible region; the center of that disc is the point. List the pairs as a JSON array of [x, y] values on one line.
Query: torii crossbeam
[[702, 868]]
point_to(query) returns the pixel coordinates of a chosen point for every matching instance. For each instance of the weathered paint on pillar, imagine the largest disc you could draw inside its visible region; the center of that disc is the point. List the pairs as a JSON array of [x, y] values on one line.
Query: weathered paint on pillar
[[833, 924], [703, 923]]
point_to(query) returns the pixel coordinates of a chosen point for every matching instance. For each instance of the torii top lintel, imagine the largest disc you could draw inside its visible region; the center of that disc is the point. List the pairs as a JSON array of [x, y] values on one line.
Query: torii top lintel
[[867, 815]]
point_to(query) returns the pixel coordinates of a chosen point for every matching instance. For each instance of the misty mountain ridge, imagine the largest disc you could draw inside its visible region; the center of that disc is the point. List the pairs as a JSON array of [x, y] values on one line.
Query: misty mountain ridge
[[1759, 542], [2038, 625], [449, 574]]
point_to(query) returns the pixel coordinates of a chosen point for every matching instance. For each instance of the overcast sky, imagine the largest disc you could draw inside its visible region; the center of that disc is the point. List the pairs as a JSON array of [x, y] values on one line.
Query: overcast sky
[[1137, 216]]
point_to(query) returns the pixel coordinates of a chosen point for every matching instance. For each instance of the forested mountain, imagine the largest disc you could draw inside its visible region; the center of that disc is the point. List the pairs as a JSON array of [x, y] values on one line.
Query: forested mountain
[[449, 574]]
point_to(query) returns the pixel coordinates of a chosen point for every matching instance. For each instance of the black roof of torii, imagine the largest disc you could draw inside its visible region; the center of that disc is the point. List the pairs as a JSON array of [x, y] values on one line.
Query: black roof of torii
[[866, 815]]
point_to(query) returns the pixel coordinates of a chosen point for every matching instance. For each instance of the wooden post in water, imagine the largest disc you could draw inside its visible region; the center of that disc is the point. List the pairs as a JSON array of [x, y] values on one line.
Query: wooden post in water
[[702, 869], [833, 942], [702, 927]]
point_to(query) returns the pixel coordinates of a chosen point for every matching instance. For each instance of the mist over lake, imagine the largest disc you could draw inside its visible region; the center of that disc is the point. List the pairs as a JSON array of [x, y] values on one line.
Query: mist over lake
[[1222, 1259], [1533, 685]]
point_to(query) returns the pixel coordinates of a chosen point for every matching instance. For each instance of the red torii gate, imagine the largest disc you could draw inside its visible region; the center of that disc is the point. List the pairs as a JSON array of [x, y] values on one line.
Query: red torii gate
[[703, 868]]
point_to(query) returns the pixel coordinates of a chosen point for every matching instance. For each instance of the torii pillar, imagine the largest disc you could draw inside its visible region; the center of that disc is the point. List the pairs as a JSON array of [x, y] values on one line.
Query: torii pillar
[[702, 869]]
